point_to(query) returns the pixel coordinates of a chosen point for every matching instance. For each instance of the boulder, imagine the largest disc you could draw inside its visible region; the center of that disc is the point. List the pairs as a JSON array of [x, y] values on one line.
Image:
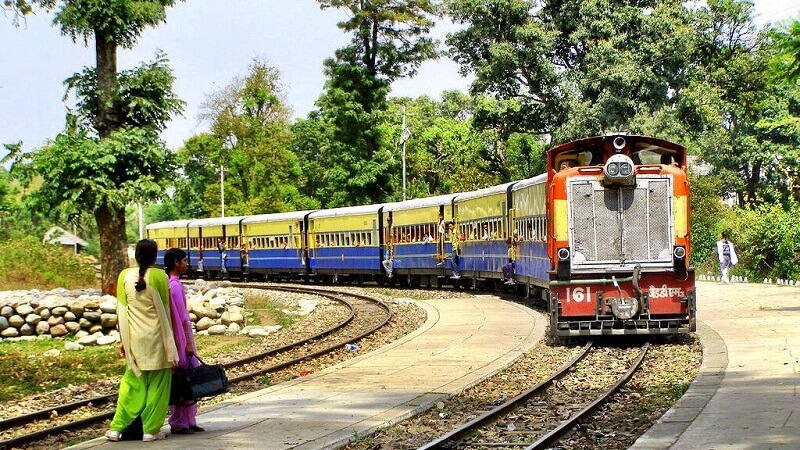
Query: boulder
[[92, 316], [109, 307], [3, 323], [233, 328], [59, 330], [26, 330], [72, 346], [16, 321], [257, 332], [33, 319], [9, 332], [59, 311], [24, 309], [85, 324], [76, 309], [42, 328], [69, 316], [204, 324], [106, 340], [229, 318], [96, 328], [108, 320], [216, 330], [88, 340], [6, 311], [55, 320], [72, 327], [44, 313]]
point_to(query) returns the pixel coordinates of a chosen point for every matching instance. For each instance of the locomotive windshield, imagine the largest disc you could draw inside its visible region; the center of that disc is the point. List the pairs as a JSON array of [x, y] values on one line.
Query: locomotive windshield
[[650, 154]]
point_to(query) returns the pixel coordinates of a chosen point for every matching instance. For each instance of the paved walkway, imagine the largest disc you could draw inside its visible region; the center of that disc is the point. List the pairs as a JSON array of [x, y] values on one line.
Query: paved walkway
[[462, 342], [747, 393]]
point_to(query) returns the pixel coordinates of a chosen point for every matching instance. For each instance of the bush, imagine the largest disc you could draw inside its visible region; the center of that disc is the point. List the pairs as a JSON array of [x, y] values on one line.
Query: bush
[[28, 263]]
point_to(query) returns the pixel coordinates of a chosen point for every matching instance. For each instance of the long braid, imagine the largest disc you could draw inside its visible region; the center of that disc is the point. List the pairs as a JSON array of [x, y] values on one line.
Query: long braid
[[146, 253]]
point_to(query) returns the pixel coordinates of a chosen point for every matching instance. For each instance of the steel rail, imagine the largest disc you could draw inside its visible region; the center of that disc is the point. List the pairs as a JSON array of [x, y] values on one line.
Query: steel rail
[[488, 417], [568, 424]]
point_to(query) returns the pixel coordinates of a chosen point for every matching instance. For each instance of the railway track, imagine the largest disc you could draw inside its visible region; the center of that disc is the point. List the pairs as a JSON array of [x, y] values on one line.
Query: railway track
[[543, 414], [366, 315]]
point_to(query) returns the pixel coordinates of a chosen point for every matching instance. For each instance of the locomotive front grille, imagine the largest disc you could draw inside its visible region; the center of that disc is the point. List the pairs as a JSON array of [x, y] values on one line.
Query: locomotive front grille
[[620, 226]]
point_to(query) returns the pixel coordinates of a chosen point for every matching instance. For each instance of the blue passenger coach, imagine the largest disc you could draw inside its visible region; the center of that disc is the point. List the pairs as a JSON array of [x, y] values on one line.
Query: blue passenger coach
[[345, 242], [528, 217], [416, 237], [482, 218], [274, 245], [204, 238], [168, 235]]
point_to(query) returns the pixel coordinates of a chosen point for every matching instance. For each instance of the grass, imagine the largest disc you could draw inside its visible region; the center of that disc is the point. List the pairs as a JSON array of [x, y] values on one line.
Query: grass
[[24, 370]]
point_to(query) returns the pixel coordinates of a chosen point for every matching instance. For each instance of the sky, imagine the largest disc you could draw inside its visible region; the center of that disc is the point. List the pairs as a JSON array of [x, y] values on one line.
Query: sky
[[208, 45]]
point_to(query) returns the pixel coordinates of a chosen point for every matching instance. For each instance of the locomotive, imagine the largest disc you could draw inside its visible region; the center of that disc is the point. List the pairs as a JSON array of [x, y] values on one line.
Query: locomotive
[[602, 238]]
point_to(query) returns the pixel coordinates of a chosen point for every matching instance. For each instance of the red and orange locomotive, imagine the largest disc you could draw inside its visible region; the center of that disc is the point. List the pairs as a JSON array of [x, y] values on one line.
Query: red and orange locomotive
[[619, 238]]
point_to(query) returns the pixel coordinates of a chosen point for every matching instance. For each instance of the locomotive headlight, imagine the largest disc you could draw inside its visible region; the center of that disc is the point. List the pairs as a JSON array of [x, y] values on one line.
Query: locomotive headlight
[[679, 252], [619, 169], [563, 254]]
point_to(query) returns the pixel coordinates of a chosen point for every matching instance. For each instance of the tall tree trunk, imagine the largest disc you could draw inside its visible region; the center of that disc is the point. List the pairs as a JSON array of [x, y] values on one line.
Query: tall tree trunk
[[113, 246], [107, 119], [110, 220]]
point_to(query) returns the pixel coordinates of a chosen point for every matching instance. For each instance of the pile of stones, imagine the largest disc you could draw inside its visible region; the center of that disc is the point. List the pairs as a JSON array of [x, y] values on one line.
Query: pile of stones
[[91, 319]]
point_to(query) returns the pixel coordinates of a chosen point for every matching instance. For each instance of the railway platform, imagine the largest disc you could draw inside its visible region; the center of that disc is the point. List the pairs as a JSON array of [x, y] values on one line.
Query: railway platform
[[747, 394], [462, 342]]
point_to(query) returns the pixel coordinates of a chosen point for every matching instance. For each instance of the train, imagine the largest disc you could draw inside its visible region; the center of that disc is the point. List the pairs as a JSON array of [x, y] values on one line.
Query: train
[[602, 238]]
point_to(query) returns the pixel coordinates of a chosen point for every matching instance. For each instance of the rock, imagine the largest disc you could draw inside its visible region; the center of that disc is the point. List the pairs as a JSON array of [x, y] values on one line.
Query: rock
[[233, 328], [72, 327], [24, 310], [72, 346], [44, 313], [106, 340], [257, 332], [88, 340], [109, 307], [108, 320], [84, 323], [273, 328], [204, 323], [16, 321], [6, 311], [81, 334], [96, 328], [215, 330], [229, 318], [3, 323], [9, 332], [216, 304], [42, 328], [208, 295], [33, 319], [76, 309], [59, 330], [70, 317], [212, 314], [52, 353], [55, 320], [92, 316], [26, 330], [59, 311]]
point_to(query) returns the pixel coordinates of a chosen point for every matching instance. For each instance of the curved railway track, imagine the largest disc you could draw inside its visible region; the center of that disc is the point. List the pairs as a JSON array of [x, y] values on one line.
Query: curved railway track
[[366, 315], [537, 408]]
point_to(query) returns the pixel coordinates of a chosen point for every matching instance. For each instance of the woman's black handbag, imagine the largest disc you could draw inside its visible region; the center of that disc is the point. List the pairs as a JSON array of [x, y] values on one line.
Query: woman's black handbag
[[203, 381]]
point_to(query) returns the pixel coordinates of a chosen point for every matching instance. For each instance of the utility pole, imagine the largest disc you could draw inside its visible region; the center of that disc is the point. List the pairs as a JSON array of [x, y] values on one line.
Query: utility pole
[[404, 135], [222, 187]]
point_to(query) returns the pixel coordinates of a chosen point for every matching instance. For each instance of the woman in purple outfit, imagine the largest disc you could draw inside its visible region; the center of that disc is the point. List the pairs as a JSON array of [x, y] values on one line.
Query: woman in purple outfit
[[182, 419]]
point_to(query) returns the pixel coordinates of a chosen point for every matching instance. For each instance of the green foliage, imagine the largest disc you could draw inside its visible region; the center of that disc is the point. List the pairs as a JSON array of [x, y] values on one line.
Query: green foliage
[[144, 98], [251, 140], [28, 263], [79, 171], [709, 217], [767, 241]]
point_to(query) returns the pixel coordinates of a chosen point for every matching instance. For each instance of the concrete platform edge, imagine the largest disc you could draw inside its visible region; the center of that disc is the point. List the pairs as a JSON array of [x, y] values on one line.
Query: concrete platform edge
[[675, 421]]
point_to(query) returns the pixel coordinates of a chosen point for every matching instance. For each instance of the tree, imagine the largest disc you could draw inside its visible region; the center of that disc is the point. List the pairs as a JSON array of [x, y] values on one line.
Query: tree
[[117, 121], [252, 141], [389, 41]]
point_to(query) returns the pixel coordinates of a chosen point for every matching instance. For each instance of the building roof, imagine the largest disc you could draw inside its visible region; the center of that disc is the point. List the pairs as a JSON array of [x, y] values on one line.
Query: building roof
[[58, 235]]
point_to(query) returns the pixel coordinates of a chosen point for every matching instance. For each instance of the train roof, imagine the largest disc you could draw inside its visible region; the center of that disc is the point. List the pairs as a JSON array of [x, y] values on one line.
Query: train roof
[[168, 224], [347, 211], [499, 189], [445, 199], [538, 179], [216, 221], [277, 217], [595, 140]]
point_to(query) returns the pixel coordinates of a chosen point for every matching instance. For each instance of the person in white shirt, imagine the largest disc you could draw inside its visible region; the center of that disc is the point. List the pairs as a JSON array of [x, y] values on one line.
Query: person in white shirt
[[726, 253]]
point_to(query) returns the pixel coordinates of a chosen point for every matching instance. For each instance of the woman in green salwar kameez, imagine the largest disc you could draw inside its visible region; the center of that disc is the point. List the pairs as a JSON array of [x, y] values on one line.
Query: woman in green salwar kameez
[[147, 344]]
